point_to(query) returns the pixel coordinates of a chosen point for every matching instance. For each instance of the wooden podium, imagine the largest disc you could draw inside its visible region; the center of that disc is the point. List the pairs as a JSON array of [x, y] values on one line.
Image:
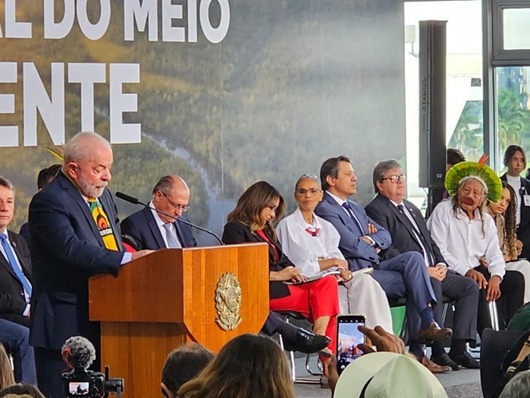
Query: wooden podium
[[169, 297]]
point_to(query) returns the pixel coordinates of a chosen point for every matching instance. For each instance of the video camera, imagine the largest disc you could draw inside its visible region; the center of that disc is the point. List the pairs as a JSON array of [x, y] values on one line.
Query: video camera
[[79, 353]]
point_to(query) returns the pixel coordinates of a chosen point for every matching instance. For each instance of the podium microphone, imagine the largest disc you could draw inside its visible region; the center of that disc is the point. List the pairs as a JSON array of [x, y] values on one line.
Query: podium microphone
[[135, 201]]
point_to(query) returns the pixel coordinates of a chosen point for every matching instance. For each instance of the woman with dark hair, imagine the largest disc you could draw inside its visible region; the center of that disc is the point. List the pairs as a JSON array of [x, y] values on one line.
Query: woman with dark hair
[[515, 161], [252, 221], [248, 366], [504, 213]]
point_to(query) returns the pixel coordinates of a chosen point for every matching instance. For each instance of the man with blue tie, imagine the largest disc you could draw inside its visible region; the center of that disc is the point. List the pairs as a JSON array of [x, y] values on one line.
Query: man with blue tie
[[157, 226], [15, 290], [361, 242], [409, 232]]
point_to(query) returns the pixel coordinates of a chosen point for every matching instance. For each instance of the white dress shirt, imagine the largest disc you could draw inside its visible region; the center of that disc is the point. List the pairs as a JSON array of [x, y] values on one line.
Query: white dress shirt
[[463, 241], [303, 249]]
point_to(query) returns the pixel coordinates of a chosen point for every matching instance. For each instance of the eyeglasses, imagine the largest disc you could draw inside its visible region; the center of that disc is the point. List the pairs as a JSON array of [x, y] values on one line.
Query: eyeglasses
[[311, 191], [395, 179], [182, 208]]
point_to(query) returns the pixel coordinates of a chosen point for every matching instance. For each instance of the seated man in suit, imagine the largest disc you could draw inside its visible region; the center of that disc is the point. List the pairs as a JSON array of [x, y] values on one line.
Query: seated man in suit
[[409, 232], [361, 241], [15, 289], [157, 227]]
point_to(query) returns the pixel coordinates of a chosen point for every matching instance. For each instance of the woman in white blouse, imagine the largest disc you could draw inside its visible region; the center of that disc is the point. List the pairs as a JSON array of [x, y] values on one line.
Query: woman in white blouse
[[312, 244]]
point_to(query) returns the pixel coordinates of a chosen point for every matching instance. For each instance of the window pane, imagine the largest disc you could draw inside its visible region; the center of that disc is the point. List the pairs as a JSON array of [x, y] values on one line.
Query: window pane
[[464, 77], [516, 28], [513, 124]]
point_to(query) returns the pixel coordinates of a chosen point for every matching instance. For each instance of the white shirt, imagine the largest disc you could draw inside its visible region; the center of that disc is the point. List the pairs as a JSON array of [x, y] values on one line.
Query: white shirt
[[303, 249], [161, 227], [462, 241]]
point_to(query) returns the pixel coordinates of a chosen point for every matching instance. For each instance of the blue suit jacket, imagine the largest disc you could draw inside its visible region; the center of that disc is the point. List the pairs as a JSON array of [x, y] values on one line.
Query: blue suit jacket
[[142, 227], [66, 250], [358, 253]]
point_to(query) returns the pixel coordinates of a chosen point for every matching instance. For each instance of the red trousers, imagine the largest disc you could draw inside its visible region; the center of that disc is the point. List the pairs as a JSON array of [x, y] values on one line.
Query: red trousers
[[313, 300]]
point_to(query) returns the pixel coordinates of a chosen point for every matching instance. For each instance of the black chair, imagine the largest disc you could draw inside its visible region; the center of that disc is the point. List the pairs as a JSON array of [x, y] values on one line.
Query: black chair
[[494, 346], [290, 316]]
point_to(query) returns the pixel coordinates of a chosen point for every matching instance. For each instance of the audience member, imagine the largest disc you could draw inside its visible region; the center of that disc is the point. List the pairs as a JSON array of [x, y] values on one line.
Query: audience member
[[251, 221], [7, 377], [248, 366], [387, 374], [515, 161], [467, 238], [155, 228], [409, 232], [74, 235], [182, 365], [312, 244], [362, 240], [454, 156], [15, 289], [504, 215], [44, 177], [21, 391], [518, 386]]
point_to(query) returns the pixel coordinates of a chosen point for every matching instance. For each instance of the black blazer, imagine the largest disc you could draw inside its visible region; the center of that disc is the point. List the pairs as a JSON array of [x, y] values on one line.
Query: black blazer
[[143, 228], [12, 301], [236, 233], [523, 231], [66, 250], [383, 211]]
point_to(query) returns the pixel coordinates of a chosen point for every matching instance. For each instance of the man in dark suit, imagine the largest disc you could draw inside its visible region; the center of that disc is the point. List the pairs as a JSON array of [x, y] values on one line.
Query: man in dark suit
[[15, 289], [361, 241], [409, 232], [75, 235], [159, 227]]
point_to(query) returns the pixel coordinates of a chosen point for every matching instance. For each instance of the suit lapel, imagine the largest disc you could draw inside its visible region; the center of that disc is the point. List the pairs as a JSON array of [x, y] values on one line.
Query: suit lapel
[[344, 217], [402, 218], [153, 227]]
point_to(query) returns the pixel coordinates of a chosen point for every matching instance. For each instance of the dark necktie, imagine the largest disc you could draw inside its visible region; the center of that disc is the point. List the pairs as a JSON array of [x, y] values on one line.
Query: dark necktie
[[419, 236], [350, 211], [14, 264]]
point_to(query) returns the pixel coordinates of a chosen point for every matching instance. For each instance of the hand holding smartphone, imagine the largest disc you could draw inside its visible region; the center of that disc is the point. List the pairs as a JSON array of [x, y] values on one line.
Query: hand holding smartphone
[[348, 337]]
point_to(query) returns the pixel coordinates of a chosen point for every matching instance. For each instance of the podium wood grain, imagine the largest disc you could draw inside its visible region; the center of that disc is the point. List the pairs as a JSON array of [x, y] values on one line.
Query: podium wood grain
[[166, 298]]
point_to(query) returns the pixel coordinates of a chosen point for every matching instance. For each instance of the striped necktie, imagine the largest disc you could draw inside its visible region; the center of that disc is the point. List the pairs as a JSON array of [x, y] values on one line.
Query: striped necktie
[[102, 222]]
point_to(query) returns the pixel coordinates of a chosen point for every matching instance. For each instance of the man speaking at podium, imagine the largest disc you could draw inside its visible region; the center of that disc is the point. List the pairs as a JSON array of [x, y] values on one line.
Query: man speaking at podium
[[75, 235], [158, 226]]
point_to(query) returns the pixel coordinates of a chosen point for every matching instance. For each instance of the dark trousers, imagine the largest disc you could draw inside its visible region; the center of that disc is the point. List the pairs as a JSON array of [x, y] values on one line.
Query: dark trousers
[[406, 276], [464, 293], [512, 295]]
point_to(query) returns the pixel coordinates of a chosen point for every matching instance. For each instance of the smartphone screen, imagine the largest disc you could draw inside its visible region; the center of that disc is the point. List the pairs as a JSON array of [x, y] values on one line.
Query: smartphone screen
[[348, 337]]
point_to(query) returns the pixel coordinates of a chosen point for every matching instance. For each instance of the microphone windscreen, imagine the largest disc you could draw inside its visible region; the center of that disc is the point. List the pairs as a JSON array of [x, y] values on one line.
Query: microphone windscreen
[[79, 352]]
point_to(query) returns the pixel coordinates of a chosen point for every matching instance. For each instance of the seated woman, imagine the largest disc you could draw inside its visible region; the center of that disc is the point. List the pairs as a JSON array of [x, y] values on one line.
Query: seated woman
[[504, 214], [247, 366], [312, 243], [467, 238], [251, 221]]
